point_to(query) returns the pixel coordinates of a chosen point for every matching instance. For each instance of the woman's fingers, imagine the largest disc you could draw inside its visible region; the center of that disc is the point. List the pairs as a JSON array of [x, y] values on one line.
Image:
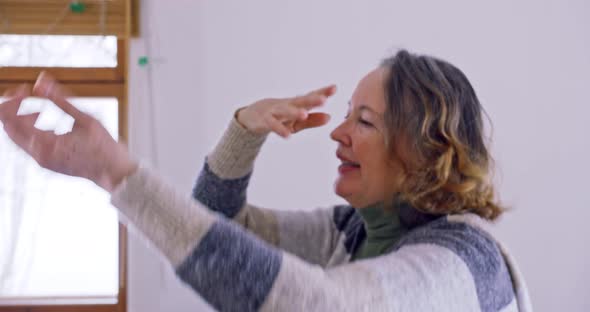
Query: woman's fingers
[[281, 115], [314, 98], [9, 108], [325, 91], [309, 101], [22, 90], [292, 115], [47, 87], [278, 127], [313, 120], [87, 151], [27, 121], [32, 140], [21, 129], [287, 112]]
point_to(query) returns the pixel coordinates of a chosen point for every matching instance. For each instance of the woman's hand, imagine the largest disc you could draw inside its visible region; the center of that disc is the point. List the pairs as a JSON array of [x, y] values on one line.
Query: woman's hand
[[87, 151], [285, 116]]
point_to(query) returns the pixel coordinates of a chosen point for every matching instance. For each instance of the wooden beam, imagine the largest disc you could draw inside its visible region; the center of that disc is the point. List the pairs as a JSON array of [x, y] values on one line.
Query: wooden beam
[[63, 74], [62, 308], [55, 17], [79, 89]]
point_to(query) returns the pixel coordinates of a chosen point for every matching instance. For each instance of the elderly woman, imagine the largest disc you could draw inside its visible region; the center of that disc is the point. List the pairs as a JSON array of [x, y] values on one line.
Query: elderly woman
[[414, 170]]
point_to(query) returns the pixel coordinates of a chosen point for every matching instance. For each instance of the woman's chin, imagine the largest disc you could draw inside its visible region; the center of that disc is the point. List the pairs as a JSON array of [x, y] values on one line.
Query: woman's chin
[[344, 189]]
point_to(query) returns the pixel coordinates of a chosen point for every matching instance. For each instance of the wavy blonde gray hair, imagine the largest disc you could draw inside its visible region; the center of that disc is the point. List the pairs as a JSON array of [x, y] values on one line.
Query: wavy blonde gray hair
[[435, 126]]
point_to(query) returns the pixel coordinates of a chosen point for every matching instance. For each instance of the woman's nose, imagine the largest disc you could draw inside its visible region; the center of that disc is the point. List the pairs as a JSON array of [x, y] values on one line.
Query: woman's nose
[[339, 134]]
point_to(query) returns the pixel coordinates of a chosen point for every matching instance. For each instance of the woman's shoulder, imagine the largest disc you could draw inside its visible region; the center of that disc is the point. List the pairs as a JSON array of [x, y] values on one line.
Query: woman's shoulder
[[467, 235], [469, 238]]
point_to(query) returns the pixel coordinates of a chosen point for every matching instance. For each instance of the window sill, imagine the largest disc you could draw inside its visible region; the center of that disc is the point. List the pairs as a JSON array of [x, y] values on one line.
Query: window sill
[[65, 304]]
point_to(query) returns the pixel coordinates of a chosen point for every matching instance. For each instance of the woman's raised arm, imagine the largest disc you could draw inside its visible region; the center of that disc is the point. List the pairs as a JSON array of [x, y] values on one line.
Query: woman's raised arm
[[223, 181]]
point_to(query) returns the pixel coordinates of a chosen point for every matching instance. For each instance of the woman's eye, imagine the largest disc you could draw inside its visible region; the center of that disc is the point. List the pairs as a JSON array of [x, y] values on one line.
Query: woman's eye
[[365, 123]]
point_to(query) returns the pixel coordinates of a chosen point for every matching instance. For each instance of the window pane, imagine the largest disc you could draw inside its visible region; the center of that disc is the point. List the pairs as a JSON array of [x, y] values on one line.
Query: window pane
[[58, 234], [58, 51]]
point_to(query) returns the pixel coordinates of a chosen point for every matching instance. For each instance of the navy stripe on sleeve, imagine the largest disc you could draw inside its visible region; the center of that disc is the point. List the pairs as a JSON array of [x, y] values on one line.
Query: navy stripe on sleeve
[[226, 196], [231, 269]]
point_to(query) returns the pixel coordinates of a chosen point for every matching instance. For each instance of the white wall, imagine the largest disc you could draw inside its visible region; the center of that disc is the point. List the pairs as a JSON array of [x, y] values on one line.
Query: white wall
[[528, 60]]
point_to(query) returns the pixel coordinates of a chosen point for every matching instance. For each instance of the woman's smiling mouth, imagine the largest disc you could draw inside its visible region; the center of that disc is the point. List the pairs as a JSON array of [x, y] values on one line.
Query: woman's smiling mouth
[[347, 165]]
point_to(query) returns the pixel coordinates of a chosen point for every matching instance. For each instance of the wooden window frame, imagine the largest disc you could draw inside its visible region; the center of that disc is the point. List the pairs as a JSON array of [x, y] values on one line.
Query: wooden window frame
[[83, 82], [33, 17]]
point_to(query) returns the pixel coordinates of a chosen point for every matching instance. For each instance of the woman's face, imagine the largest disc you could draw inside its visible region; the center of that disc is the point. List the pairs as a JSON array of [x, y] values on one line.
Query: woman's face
[[367, 173]]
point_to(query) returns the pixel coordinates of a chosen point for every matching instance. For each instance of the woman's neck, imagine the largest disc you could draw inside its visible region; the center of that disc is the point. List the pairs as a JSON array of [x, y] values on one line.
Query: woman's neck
[[383, 229]]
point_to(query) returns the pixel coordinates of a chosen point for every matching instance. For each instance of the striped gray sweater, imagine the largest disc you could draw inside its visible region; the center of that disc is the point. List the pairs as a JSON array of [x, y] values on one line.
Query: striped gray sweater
[[240, 257]]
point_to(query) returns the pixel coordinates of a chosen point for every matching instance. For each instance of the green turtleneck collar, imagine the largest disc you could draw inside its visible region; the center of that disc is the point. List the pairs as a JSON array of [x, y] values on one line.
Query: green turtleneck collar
[[383, 229]]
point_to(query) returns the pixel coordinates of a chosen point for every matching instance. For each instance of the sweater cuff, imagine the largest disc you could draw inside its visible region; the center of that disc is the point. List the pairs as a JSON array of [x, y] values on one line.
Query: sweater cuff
[[234, 155], [175, 224]]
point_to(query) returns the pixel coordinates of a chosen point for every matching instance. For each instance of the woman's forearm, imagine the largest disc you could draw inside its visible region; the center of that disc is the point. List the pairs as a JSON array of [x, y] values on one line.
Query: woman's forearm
[[172, 223], [234, 155], [223, 181], [226, 265], [222, 187], [234, 270]]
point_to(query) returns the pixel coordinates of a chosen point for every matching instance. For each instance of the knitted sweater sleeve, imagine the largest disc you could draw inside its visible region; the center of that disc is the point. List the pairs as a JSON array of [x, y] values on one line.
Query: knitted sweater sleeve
[[235, 270], [222, 186]]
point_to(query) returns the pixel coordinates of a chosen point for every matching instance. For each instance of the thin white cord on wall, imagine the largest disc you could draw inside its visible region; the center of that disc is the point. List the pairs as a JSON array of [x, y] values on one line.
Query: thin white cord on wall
[[60, 17], [149, 88], [148, 35]]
